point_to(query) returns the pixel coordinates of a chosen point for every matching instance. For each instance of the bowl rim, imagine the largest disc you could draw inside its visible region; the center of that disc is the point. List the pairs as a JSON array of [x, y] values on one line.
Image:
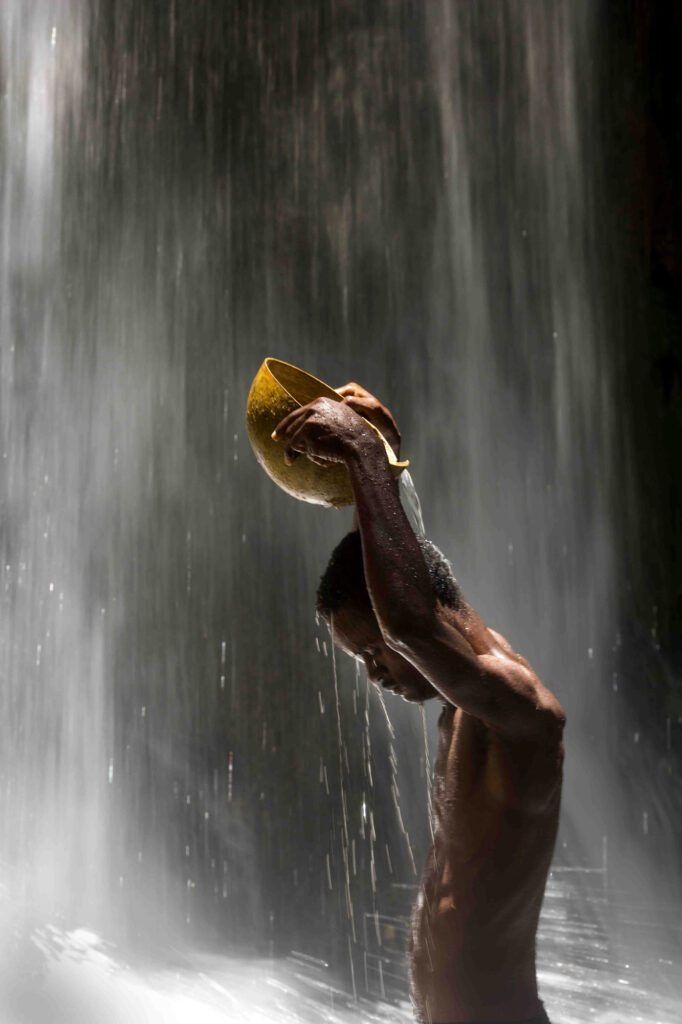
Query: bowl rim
[[330, 392]]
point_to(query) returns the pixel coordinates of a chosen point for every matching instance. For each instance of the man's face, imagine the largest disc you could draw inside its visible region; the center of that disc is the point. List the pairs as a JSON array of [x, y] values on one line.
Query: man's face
[[356, 631]]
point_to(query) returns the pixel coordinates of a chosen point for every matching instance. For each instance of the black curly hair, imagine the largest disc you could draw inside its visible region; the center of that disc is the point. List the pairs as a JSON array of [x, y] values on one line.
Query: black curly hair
[[343, 581]]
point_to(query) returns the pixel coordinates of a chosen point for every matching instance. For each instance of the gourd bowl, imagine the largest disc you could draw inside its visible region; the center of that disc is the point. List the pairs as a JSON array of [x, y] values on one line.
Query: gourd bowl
[[279, 388]]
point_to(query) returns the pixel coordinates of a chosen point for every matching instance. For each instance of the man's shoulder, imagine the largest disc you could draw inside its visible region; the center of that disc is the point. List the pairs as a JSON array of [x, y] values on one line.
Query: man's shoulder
[[542, 719]]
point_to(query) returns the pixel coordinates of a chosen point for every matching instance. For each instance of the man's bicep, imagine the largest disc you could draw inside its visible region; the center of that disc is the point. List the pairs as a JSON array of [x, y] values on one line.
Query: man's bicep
[[496, 687], [440, 651]]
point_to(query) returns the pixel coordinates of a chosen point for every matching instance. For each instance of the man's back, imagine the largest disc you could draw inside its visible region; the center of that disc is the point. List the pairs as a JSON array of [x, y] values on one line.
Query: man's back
[[496, 809]]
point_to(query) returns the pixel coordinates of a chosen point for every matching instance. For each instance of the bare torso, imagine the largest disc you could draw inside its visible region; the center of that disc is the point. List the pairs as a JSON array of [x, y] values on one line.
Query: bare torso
[[496, 809], [498, 773]]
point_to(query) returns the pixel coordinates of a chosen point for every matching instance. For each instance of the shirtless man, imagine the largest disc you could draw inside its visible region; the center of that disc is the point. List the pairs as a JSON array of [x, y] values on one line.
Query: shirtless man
[[391, 600]]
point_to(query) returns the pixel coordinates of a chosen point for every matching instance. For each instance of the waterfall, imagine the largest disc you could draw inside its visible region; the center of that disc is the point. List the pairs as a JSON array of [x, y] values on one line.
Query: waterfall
[[56, 709], [517, 363], [413, 196]]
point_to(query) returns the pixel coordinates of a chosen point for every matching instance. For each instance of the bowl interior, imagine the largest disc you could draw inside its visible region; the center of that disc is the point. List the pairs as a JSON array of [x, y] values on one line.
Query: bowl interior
[[302, 386]]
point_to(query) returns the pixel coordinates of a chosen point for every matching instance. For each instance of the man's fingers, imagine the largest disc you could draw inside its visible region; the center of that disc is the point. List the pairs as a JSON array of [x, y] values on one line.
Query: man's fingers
[[296, 444], [348, 389], [361, 405], [290, 456], [290, 424]]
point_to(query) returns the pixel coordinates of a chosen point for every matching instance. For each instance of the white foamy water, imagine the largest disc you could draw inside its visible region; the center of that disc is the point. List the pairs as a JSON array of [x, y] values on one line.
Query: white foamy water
[[73, 977], [64, 977]]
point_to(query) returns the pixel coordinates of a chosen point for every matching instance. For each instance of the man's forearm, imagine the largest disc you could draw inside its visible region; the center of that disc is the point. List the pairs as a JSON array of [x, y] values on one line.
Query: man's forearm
[[395, 572]]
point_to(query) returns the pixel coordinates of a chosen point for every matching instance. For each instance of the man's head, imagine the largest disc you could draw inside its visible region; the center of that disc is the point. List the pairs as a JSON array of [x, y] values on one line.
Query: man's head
[[343, 600]]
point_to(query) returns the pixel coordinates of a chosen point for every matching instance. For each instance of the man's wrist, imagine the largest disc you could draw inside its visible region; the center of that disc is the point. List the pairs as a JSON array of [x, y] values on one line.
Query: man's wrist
[[365, 449]]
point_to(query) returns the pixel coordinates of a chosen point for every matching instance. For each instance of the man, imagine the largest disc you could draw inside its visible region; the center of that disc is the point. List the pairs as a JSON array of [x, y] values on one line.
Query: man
[[393, 602]]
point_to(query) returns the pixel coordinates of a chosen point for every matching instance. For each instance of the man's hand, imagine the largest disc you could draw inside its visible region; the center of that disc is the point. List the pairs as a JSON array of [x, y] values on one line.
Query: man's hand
[[326, 431], [362, 402]]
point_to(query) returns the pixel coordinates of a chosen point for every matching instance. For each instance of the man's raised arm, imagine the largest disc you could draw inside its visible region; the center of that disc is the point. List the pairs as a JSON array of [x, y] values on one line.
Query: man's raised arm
[[468, 664]]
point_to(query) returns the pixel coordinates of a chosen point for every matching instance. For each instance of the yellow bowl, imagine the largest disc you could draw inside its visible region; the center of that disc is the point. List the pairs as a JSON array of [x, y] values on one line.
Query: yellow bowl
[[279, 388]]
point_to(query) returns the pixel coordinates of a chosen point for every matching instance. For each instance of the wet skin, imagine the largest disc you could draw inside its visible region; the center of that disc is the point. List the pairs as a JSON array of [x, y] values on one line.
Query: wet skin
[[356, 631], [499, 764], [496, 810]]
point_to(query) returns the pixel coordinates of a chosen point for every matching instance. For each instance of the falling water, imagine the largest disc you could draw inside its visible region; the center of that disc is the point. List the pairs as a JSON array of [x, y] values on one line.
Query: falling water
[[411, 502], [195, 809], [56, 701]]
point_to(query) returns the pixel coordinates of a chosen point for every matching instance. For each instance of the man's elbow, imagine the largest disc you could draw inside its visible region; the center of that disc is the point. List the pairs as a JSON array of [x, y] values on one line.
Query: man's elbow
[[551, 718]]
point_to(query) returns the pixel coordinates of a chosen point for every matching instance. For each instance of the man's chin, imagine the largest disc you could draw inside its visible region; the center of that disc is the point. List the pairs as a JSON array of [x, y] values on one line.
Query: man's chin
[[412, 696], [397, 691]]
